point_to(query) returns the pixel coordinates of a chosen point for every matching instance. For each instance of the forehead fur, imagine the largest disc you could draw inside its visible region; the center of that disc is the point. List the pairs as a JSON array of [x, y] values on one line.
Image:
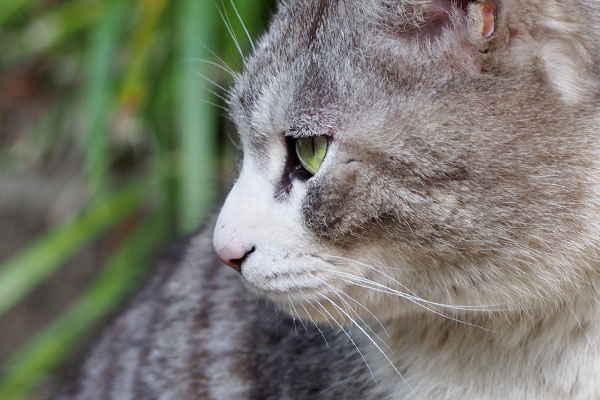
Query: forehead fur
[[317, 52]]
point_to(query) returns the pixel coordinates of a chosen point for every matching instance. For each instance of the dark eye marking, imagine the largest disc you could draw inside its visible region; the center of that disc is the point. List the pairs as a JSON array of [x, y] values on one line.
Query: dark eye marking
[[293, 168]]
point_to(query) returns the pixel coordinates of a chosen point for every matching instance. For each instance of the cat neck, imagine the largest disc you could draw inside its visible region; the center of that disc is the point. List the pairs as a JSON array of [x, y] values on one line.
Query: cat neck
[[546, 354]]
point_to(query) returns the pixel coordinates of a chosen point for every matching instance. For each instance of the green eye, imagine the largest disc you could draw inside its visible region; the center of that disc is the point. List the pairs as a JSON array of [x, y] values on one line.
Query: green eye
[[311, 152]]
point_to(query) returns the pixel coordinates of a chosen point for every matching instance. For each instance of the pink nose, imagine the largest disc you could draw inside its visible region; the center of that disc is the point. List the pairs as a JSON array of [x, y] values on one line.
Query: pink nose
[[234, 256]]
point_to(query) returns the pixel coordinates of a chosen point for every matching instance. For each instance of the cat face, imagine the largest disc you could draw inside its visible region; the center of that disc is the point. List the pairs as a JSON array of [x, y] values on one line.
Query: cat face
[[460, 160]]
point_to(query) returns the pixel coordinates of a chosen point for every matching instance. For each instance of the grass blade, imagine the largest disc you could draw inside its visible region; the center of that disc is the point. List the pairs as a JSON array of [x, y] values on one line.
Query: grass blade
[[10, 8], [51, 346], [133, 89], [53, 28], [98, 95], [24, 271], [197, 21]]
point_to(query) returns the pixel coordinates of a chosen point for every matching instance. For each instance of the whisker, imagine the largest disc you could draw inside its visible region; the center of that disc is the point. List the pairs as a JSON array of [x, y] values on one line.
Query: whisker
[[293, 319], [230, 137], [211, 91], [201, 75], [388, 290], [215, 105], [314, 323], [368, 311], [376, 270], [348, 335], [229, 28], [366, 265], [243, 25], [414, 297], [223, 64], [337, 293], [296, 311], [460, 307], [215, 64], [323, 315], [374, 343]]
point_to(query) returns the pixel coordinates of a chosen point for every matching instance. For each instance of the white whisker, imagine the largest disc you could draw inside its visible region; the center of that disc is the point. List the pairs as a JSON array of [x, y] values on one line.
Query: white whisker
[[368, 311], [215, 105], [414, 295], [314, 323], [201, 75], [293, 318], [243, 25], [215, 64], [223, 64], [229, 28], [337, 292], [348, 335], [214, 93], [296, 311], [387, 290], [323, 315], [374, 343]]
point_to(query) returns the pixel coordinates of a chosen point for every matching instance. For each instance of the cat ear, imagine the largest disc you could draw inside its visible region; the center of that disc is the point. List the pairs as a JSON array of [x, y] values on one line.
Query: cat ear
[[556, 38], [454, 33], [549, 34], [485, 13], [480, 16], [481, 13], [427, 20]]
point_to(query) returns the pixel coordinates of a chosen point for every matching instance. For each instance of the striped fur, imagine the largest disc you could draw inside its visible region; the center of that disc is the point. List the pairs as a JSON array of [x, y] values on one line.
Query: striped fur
[[196, 333]]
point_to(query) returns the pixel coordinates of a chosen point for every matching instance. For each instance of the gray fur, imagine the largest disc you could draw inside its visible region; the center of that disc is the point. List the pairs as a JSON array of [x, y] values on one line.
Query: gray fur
[[195, 333], [458, 203]]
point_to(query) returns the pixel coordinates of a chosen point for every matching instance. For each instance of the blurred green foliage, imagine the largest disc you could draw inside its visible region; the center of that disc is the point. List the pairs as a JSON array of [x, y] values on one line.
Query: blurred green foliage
[[139, 71]]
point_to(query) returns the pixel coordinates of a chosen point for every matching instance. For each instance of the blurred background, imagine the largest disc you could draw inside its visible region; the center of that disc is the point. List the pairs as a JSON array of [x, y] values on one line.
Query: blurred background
[[114, 144]]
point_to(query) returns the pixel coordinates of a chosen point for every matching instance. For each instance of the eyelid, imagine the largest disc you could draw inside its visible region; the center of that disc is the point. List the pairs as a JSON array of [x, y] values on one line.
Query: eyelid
[[305, 133]]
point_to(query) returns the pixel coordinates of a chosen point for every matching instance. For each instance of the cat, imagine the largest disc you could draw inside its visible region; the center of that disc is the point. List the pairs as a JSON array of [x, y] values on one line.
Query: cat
[[417, 216]]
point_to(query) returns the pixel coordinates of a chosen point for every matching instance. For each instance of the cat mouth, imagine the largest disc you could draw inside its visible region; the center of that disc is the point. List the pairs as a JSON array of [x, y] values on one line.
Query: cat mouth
[[278, 289], [304, 295]]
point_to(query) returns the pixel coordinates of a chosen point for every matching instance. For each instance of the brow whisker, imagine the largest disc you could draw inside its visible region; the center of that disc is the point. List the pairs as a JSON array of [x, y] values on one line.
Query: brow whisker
[[222, 62], [203, 76], [227, 23], [215, 64], [242, 23]]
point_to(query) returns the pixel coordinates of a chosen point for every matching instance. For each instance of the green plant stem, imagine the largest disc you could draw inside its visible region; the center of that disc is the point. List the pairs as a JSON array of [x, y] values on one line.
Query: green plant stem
[[97, 96], [198, 25], [134, 86]]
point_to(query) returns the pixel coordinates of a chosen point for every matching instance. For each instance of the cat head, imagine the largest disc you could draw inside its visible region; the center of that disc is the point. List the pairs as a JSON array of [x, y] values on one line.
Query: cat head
[[400, 155]]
